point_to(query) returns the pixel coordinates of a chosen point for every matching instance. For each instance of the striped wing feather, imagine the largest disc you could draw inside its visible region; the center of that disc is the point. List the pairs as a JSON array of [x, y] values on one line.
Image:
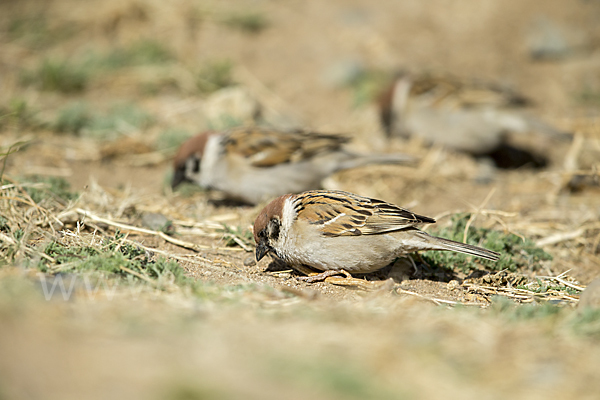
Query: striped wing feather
[[268, 147], [344, 214]]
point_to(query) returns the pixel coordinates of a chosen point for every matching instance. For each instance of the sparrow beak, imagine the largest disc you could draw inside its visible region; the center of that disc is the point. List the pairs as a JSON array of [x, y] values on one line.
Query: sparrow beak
[[261, 250]]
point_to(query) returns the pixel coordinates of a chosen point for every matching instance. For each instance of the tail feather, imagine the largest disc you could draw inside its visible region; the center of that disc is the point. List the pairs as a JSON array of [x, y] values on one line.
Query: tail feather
[[542, 127], [447, 244], [359, 160]]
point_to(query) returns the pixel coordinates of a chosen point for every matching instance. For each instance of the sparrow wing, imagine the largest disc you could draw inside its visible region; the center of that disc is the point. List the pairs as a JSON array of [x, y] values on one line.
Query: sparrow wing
[[344, 214], [449, 89], [268, 147]]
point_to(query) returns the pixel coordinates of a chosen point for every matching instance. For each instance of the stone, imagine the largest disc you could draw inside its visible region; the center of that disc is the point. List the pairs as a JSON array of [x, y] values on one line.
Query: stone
[[232, 106]]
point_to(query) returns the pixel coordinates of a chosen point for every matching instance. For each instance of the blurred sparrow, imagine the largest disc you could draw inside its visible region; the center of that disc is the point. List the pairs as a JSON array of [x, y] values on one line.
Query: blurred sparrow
[[334, 231], [473, 117], [254, 164]]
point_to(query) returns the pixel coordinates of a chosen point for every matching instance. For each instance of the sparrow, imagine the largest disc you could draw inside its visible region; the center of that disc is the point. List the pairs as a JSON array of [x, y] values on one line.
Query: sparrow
[[469, 116], [252, 164], [339, 231]]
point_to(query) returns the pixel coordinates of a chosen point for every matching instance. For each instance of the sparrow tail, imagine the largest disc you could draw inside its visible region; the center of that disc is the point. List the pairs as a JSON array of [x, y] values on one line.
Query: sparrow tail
[[542, 127], [359, 160], [447, 244]]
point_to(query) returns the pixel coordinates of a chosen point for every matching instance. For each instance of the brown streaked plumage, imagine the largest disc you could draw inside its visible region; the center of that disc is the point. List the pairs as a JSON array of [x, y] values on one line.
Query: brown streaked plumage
[[344, 214], [335, 230], [270, 147], [254, 164]]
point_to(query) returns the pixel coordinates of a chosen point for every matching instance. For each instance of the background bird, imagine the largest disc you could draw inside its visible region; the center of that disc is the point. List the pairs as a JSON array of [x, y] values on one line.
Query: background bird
[[255, 164], [336, 230], [470, 116]]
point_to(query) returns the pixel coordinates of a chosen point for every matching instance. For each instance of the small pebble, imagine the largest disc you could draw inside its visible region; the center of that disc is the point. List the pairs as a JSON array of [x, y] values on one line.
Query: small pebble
[[249, 261], [157, 222], [547, 40], [343, 72], [231, 103]]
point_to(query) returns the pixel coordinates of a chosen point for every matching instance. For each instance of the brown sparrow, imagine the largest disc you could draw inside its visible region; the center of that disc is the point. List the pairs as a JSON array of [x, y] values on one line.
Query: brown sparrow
[[335, 230], [469, 116], [254, 164]]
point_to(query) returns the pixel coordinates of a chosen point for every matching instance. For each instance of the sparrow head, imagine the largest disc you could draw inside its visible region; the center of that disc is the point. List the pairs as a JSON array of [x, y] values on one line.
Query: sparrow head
[[393, 100], [187, 160], [267, 227]]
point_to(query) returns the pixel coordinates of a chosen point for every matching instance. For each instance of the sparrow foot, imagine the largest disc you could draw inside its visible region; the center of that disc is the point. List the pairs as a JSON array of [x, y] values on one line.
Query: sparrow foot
[[313, 277]]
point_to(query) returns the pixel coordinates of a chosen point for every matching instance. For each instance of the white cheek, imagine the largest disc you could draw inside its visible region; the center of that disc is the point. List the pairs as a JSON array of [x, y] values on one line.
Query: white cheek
[[282, 239], [283, 243], [190, 165], [212, 152], [288, 217]]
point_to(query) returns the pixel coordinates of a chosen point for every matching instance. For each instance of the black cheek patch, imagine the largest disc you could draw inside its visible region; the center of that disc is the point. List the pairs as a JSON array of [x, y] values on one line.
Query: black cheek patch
[[274, 229], [196, 166]]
